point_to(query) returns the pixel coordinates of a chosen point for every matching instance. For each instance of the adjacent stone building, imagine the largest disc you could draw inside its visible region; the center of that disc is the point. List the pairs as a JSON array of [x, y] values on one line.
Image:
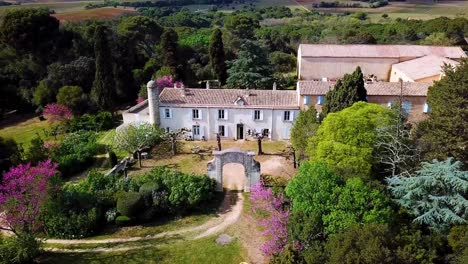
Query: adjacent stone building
[[331, 62], [412, 95]]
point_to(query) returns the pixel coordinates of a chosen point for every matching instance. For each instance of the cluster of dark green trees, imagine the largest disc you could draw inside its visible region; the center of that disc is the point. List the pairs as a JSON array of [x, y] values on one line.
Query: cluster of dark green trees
[[255, 47], [372, 189]]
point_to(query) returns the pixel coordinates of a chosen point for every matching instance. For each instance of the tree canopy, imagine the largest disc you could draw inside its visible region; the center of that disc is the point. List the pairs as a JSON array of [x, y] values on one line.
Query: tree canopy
[[435, 194], [345, 140], [444, 134], [348, 90], [305, 126], [251, 69], [217, 56]]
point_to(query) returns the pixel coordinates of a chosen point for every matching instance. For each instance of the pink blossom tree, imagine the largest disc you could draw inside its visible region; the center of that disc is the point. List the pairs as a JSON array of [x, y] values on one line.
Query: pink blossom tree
[[165, 81], [23, 193], [271, 205], [57, 112]]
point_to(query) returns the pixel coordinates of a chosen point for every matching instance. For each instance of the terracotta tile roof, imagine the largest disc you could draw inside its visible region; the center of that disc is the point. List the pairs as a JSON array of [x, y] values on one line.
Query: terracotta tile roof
[[228, 97], [423, 67], [379, 51], [376, 88]]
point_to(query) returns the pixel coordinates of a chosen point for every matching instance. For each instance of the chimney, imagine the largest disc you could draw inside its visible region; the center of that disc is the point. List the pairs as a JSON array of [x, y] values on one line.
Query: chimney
[[153, 103], [274, 86], [175, 85], [207, 85]]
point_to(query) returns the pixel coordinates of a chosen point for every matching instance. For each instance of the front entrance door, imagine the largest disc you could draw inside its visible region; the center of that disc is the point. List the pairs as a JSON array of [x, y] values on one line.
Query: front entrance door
[[240, 131]]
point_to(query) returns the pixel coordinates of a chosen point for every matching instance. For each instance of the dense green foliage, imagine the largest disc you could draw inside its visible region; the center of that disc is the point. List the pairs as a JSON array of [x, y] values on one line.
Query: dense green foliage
[[304, 127], [10, 154], [129, 204], [72, 97], [169, 48], [251, 69], [444, 134], [435, 194], [336, 205], [348, 90], [16, 250], [345, 140], [99, 122]]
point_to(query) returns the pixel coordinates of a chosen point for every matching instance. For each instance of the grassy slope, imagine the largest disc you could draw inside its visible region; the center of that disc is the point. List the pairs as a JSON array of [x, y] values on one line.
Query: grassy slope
[[24, 131], [198, 251]]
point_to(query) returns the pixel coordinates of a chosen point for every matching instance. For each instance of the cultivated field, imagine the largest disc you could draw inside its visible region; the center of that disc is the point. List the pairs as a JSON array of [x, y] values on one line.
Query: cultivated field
[[98, 13], [73, 10]]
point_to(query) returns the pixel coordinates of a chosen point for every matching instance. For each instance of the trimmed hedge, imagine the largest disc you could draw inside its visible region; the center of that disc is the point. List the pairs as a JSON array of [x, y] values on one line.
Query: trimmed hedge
[[129, 203], [123, 220]]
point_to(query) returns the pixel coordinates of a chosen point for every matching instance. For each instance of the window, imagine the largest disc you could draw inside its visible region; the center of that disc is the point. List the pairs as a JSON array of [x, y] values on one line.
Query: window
[[266, 132], [426, 108], [196, 114], [389, 104], [306, 100], [288, 116], [167, 113], [196, 130], [222, 131], [406, 106], [222, 114], [320, 99], [258, 115]]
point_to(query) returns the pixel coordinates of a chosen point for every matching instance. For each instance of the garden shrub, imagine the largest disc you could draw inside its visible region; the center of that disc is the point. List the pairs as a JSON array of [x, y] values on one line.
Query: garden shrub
[[76, 152], [129, 204], [147, 190], [72, 225], [22, 249], [111, 215], [99, 122], [123, 220]]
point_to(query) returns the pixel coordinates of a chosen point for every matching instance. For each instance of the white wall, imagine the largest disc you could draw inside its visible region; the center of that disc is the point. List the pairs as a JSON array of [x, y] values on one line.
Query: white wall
[[209, 122]]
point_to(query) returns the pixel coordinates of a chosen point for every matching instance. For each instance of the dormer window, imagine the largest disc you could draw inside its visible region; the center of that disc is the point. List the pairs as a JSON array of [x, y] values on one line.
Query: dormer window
[[239, 101]]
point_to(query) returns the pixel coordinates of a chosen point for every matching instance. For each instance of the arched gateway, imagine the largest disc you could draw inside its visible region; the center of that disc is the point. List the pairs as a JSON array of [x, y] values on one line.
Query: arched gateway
[[234, 155]]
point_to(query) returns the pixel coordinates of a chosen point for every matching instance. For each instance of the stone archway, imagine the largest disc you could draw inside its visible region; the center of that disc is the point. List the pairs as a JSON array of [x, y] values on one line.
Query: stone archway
[[234, 155]]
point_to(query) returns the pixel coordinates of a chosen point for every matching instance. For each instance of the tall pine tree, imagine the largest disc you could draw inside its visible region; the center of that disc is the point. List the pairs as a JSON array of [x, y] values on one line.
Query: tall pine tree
[[217, 56], [169, 50], [251, 69], [103, 92], [348, 90], [445, 133]]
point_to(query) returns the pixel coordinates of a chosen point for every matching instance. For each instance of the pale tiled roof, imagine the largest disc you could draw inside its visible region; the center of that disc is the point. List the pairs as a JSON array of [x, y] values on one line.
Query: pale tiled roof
[[423, 67], [379, 51], [376, 88], [228, 97]]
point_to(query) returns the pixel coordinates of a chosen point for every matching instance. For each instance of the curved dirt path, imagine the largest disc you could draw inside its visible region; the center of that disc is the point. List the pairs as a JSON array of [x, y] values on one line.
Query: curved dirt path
[[229, 212]]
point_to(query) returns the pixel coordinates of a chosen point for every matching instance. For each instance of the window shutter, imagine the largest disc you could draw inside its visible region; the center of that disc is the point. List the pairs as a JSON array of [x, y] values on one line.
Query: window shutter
[[292, 116], [193, 111], [426, 108], [226, 114], [226, 131], [200, 114], [261, 115], [286, 133], [202, 131], [253, 114], [320, 99], [170, 113]]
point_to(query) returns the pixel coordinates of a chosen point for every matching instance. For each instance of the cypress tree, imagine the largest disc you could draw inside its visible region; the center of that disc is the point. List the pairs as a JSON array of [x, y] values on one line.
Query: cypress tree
[[217, 57], [103, 92], [169, 49], [348, 90]]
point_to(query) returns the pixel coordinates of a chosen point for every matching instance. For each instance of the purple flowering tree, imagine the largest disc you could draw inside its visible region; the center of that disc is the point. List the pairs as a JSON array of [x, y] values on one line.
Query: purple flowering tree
[[57, 112], [269, 204], [23, 192]]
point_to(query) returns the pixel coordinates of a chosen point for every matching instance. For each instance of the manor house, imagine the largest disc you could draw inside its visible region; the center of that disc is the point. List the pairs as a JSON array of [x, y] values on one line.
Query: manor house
[[234, 112]]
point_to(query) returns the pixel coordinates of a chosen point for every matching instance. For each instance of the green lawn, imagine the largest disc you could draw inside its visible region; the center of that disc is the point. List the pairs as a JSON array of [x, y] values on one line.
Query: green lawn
[[24, 131], [191, 252]]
